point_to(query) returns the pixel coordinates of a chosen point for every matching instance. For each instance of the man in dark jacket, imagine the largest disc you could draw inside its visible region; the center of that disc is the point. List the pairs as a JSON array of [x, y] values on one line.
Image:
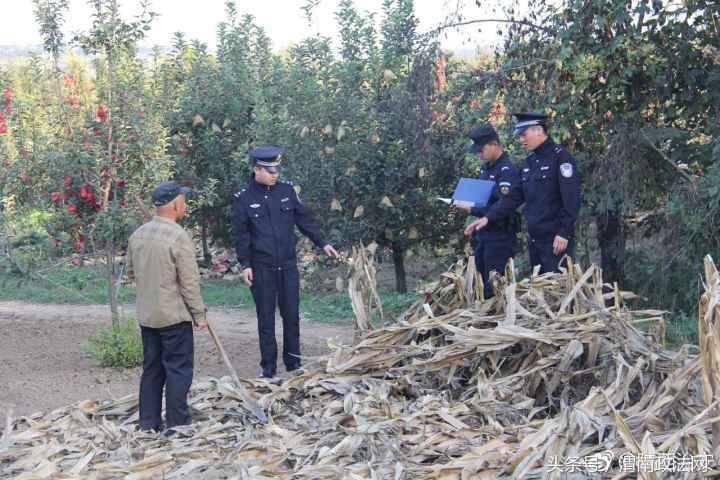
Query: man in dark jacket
[[550, 191], [495, 230], [264, 216]]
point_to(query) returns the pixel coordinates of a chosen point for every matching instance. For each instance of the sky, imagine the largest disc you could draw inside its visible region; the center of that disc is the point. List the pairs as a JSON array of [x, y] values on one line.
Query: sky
[[283, 20]]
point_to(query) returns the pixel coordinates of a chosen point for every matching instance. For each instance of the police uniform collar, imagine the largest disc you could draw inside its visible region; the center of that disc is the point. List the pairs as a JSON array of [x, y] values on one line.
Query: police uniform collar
[[545, 147], [489, 164], [259, 186]]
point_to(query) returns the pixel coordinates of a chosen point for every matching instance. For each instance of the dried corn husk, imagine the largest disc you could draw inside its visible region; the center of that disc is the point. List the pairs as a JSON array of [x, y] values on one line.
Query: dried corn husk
[[457, 388]]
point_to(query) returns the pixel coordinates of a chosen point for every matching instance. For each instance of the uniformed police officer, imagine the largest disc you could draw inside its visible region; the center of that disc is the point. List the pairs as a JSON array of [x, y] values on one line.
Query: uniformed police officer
[[550, 191], [264, 216], [495, 230]]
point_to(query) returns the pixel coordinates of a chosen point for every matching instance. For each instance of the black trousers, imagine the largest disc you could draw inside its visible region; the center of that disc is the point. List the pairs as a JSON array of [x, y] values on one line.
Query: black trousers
[[493, 255], [273, 287], [541, 253], [167, 362]]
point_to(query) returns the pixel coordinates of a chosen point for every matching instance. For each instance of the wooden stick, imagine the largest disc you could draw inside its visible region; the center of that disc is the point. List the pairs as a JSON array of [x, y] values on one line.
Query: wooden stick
[[250, 403]]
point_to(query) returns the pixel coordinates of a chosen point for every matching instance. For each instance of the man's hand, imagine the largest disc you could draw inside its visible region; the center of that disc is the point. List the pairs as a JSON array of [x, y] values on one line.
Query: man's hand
[[462, 206], [248, 276], [478, 224], [559, 245], [330, 251], [202, 325]]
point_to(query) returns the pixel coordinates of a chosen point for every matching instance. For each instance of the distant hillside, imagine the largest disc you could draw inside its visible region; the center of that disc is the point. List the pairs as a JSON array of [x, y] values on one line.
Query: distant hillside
[[14, 52], [9, 53]]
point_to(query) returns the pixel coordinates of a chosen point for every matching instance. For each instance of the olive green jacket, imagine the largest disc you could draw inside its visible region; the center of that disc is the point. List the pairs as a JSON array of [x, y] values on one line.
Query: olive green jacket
[[161, 259]]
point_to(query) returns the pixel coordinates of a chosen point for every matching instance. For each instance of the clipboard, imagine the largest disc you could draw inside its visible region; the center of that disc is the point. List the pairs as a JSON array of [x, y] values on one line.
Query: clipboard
[[471, 191]]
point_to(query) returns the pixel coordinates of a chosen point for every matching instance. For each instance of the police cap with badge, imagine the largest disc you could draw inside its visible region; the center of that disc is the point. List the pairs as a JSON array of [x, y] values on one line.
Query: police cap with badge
[[480, 135], [526, 120], [268, 157]]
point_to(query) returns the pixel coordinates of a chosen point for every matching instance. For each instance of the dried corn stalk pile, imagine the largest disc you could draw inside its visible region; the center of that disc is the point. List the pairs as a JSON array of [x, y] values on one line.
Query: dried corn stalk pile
[[551, 368], [362, 288]]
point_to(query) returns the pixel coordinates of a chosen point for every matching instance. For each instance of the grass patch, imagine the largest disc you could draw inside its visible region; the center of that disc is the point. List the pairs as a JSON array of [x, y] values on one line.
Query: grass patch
[[224, 293], [66, 284], [682, 329], [62, 284], [117, 347], [87, 286], [336, 307]]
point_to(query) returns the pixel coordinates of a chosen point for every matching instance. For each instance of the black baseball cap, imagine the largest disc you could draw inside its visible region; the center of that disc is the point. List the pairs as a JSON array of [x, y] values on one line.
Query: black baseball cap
[[480, 135], [166, 192]]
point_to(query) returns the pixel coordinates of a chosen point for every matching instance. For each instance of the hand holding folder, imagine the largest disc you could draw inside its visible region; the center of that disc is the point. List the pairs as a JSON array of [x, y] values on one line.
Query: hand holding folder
[[470, 192]]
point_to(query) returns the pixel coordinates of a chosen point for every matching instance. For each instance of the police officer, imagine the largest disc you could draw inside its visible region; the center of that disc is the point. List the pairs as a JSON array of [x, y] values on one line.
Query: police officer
[[264, 216], [495, 230], [550, 191]]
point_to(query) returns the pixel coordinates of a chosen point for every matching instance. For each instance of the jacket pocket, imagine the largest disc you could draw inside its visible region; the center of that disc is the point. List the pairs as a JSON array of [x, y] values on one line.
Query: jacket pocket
[[257, 214], [287, 213]]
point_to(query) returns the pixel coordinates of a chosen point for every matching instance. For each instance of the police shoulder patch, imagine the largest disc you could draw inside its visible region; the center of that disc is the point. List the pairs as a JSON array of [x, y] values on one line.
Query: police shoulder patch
[[566, 170], [238, 194]]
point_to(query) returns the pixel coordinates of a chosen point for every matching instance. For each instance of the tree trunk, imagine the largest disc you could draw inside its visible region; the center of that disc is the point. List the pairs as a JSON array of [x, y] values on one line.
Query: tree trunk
[[207, 256], [399, 263], [611, 237], [112, 288]]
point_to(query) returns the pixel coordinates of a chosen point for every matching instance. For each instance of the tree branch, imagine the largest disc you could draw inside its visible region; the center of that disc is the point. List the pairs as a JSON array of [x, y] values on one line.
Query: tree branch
[[490, 20], [667, 159]]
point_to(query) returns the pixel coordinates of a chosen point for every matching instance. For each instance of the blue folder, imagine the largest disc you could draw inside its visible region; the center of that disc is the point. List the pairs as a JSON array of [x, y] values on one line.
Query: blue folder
[[473, 190]]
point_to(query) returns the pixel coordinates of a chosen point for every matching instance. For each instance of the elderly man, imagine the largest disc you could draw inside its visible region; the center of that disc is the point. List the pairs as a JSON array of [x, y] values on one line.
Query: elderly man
[[161, 258]]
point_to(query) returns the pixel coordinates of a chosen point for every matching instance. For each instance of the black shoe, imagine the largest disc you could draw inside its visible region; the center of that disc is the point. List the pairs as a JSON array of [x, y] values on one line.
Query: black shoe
[[170, 432], [150, 429]]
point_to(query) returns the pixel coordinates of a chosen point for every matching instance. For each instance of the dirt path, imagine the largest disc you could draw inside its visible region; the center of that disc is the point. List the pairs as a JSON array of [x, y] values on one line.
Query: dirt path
[[43, 367]]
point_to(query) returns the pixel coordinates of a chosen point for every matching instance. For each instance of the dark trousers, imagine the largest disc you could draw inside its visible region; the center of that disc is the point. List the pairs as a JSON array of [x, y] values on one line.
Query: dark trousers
[[493, 255], [277, 287], [168, 363], [541, 253]]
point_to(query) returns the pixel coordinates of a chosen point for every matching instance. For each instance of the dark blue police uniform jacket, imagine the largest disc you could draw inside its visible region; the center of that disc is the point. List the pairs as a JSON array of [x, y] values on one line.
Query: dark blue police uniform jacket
[[264, 219], [551, 192], [504, 199]]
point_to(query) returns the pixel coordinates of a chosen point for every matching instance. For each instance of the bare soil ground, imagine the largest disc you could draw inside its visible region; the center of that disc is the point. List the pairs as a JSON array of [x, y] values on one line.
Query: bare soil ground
[[43, 366]]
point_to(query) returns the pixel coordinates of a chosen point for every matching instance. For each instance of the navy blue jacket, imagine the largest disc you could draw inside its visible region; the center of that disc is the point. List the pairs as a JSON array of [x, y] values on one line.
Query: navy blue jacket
[[551, 192], [505, 198], [263, 224]]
